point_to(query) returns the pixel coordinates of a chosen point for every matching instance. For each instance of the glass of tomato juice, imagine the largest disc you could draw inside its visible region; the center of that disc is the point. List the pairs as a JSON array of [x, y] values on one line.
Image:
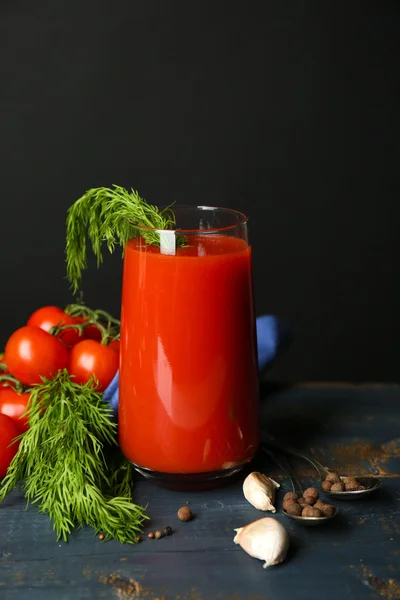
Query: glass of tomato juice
[[188, 382]]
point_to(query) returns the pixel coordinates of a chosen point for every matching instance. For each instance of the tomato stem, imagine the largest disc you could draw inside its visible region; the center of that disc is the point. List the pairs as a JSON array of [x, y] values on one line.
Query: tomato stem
[[56, 329], [81, 310], [10, 379], [108, 325]]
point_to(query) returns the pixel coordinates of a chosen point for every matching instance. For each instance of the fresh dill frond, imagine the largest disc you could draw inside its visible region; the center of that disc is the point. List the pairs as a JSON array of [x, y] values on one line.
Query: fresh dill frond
[[66, 464], [111, 216]]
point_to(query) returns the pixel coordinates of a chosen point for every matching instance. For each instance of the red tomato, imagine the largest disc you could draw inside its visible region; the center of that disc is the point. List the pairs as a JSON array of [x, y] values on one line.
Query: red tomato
[[3, 368], [8, 431], [114, 345], [52, 316], [91, 358], [5, 383], [14, 405], [32, 353], [91, 332]]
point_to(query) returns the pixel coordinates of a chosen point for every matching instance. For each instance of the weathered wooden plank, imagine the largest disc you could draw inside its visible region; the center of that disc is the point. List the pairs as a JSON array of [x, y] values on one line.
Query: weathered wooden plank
[[355, 556], [351, 429], [29, 534], [342, 571]]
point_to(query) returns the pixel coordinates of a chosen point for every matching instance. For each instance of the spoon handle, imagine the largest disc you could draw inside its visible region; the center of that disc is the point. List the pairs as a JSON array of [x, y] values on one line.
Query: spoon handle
[[269, 440], [284, 465]]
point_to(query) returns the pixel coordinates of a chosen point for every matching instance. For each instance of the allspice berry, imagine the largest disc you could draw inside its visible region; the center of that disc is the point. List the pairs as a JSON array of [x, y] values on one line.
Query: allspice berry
[[311, 492], [347, 480], [311, 511], [337, 487], [351, 484], [293, 508], [333, 477], [158, 535], [326, 485], [309, 500], [290, 496], [185, 514], [352, 487], [327, 510]]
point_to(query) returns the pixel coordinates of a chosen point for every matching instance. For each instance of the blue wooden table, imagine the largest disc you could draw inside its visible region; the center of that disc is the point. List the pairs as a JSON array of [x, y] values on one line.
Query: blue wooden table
[[355, 429]]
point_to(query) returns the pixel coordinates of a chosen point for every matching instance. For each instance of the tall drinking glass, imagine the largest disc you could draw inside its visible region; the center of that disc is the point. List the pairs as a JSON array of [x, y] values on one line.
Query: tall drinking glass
[[188, 395]]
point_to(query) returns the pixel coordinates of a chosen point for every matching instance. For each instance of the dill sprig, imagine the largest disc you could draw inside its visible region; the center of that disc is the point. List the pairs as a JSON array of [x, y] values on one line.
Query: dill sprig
[[111, 216], [67, 466]]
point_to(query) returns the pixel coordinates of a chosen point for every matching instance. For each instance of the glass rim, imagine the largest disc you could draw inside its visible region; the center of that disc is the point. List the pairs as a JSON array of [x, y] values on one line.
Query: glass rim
[[243, 219]]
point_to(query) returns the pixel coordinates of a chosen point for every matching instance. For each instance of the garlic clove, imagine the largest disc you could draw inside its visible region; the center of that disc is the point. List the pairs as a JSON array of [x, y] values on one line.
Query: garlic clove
[[259, 490], [265, 539]]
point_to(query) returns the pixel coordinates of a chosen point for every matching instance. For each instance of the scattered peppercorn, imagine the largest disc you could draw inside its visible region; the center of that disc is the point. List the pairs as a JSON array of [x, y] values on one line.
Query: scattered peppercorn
[[185, 514], [337, 487], [293, 508], [151, 535], [101, 536], [166, 530], [137, 538], [158, 535], [333, 477]]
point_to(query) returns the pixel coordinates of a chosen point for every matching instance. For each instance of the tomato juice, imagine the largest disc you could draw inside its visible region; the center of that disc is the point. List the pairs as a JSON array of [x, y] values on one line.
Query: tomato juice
[[188, 395]]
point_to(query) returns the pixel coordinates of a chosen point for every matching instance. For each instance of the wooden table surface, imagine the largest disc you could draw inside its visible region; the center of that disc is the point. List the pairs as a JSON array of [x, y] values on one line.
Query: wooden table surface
[[355, 429]]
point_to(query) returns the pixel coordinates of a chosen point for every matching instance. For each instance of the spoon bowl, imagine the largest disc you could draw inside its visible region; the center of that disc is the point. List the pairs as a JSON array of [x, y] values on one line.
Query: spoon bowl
[[370, 484], [311, 521], [284, 465]]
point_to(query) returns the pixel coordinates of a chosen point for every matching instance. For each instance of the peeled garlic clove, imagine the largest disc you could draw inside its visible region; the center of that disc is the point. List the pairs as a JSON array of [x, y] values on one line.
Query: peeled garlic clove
[[259, 490], [265, 539]]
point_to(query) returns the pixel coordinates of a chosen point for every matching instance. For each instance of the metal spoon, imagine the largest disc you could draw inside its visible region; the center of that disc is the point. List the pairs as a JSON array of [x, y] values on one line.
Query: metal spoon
[[370, 483], [296, 486]]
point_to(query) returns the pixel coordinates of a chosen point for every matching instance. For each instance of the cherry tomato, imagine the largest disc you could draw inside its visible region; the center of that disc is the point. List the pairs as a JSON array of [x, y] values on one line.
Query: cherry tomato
[[32, 353], [91, 332], [8, 431], [5, 383], [52, 316], [89, 358], [114, 345], [14, 405], [3, 368]]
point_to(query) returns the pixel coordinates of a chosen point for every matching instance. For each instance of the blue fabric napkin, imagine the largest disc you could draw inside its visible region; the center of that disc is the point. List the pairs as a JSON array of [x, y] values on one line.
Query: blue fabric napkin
[[273, 338]]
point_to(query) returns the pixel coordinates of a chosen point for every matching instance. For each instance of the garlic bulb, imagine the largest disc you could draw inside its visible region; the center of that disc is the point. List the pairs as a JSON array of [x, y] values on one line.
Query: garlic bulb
[[265, 539], [259, 490]]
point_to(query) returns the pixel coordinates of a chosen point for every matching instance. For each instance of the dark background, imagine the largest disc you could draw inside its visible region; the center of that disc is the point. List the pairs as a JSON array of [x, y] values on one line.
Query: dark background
[[286, 110]]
